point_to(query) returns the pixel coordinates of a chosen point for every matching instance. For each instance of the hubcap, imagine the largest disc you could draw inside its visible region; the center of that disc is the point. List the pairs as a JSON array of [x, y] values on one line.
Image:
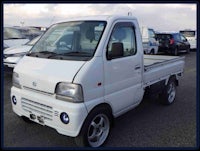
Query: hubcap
[[98, 130], [171, 92]]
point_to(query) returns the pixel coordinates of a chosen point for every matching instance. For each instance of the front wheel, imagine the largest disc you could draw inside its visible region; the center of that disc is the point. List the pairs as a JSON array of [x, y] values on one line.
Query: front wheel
[[168, 95], [95, 129], [188, 50], [152, 52]]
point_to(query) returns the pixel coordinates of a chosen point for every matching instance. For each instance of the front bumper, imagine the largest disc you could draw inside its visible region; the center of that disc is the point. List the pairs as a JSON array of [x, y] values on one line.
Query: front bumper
[[48, 108]]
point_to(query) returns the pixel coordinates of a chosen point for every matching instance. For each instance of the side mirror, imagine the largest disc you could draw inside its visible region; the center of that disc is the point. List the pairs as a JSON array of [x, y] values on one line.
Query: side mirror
[[117, 51]]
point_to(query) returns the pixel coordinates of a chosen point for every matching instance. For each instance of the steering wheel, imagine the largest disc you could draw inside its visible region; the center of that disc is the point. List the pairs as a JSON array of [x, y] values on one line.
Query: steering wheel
[[63, 45]]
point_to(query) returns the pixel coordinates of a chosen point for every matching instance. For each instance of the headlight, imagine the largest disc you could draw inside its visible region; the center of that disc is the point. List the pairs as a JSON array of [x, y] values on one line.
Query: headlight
[[69, 92], [15, 55], [15, 80]]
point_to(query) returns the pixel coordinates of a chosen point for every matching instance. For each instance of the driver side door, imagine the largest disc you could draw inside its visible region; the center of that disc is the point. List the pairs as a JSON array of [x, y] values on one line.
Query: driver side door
[[123, 74]]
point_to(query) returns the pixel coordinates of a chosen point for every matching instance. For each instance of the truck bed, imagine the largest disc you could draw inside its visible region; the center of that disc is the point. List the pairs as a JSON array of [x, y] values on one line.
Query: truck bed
[[157, 67]]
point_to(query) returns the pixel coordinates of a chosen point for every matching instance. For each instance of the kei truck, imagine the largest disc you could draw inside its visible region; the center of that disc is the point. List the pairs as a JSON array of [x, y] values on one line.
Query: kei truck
[[84, 72]]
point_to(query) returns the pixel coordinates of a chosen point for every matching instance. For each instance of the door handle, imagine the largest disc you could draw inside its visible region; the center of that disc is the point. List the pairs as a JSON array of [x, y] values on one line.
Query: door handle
[[137, 67]]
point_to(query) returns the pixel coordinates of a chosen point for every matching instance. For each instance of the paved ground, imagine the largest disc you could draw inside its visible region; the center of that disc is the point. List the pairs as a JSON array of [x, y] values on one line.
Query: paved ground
[[149, 125]]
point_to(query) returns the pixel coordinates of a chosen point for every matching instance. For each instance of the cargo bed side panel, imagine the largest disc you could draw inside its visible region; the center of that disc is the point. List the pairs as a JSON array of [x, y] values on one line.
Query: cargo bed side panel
[[162, 70]]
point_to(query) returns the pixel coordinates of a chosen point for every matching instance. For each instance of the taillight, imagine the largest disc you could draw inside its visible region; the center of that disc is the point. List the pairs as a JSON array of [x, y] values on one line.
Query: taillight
[[171, 41]]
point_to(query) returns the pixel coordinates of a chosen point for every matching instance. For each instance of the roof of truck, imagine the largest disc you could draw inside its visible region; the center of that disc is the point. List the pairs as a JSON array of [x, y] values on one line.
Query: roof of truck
[[98, 18]]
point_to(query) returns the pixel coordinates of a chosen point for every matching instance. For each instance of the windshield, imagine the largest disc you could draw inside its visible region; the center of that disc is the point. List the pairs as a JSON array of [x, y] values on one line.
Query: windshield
[[12, 33], [163, 36], [76, 40], [188, 33]]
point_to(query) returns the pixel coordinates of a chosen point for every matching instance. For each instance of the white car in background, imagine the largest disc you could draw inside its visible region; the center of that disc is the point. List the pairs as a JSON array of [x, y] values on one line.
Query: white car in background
[[149, 42], [13, 54], [13, 36], [191, 36]]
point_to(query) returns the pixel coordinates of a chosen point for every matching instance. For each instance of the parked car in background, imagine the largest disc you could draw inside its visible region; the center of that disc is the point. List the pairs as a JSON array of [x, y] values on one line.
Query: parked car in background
[[149, 42], [173, 43], [13, 36], [13, 54], [191, 37]]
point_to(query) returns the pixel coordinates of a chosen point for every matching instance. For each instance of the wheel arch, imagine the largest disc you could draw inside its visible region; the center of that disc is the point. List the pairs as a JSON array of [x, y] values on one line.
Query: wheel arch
[[173, 77], [102, 105], [95, 106]]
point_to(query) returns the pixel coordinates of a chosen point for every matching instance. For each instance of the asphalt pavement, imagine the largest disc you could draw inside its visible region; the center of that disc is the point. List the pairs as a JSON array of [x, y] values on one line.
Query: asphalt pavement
[[148, 125]]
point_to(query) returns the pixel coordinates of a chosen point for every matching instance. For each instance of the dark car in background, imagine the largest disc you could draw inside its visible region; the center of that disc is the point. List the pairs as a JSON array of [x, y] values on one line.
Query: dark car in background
[[172, 43]]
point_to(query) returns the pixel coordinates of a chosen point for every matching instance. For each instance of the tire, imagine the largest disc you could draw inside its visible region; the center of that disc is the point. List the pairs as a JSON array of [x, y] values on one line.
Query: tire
[[152, 52], [168, 95], [188, 50], [95, 129], [176, 51]]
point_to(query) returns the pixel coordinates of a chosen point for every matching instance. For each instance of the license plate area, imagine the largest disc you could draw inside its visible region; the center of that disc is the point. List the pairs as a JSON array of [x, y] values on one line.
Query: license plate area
[[37, 118]]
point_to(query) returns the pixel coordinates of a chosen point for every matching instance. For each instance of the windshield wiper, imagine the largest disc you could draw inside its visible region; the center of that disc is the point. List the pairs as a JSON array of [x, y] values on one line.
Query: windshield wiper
[[47, 52], [70, 54], [77, 53], [37, 54]]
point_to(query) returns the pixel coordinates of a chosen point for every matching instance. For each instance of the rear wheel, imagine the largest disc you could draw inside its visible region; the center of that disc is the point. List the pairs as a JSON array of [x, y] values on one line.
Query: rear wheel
[[95, 129], [168, 95]]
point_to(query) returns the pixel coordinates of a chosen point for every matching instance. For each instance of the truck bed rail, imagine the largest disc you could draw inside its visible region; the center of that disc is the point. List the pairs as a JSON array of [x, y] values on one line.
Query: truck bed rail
[[157, 67]]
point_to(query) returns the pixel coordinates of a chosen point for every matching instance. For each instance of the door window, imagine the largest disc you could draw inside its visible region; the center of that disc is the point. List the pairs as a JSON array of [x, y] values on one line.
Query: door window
[[126, 36]]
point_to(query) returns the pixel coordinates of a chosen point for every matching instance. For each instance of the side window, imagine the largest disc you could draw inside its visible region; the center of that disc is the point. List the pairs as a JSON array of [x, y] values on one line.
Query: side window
[[122, 37], [177, 37], [183, 38]]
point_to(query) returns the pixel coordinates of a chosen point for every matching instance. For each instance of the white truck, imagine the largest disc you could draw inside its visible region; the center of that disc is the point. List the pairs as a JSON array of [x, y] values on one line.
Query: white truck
[[85, 72], [149, 41]]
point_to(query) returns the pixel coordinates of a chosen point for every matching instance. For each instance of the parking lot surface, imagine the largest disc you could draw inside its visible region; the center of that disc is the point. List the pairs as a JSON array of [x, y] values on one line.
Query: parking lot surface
[[148, 125]]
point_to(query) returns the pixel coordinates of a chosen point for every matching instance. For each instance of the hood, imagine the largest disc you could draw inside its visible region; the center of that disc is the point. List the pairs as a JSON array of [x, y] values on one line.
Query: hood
[[14, 42], [17, 49], [43, 74]]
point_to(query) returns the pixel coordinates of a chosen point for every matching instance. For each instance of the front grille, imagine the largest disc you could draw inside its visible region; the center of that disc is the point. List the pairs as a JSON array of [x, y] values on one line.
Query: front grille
[[37, 108]]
